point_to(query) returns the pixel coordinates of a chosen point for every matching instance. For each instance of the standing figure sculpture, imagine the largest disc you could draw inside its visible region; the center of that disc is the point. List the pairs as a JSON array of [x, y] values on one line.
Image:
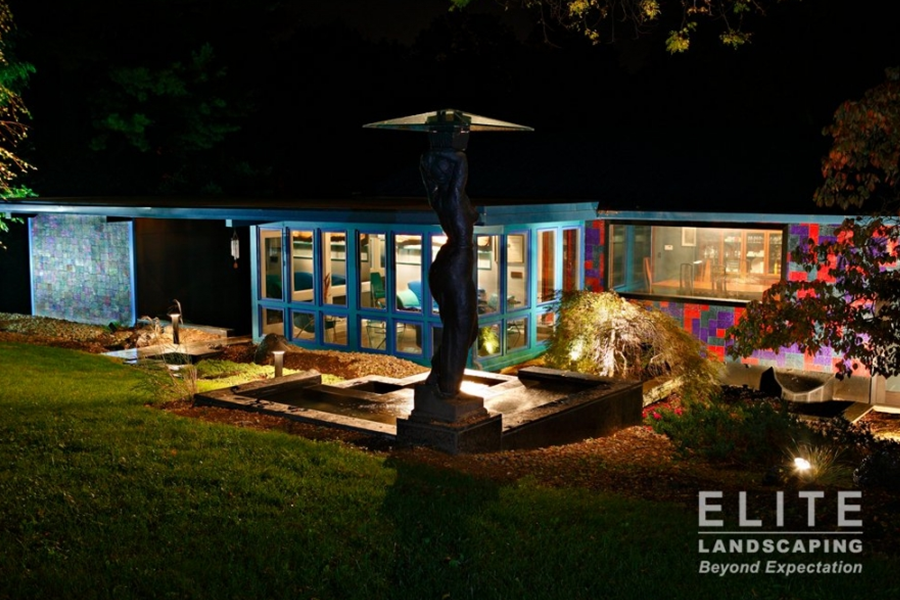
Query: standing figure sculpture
[[444, 170]]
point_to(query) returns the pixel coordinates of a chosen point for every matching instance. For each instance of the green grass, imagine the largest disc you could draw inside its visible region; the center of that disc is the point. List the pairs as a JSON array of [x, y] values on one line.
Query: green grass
[[103, 496]]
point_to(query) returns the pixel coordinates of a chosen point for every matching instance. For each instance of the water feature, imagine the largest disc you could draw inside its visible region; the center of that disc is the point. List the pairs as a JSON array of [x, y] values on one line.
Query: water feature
[[536, 408]]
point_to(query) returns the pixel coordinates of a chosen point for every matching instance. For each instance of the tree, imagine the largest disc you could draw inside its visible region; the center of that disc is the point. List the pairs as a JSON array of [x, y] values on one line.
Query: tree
[[863, 165], [13, 76], [176, 117], [600, 20], [853, 303]]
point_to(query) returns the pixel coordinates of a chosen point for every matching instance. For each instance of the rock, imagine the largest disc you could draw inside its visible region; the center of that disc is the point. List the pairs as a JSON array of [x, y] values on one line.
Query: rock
[[270, 343]]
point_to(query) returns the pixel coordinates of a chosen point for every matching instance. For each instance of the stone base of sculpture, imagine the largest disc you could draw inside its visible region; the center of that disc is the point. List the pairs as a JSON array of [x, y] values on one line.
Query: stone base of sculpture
[[429, 404], [457, 425]]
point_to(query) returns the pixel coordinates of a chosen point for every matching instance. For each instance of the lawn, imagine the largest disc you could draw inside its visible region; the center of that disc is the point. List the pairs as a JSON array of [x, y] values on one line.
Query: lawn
[[104, 496]]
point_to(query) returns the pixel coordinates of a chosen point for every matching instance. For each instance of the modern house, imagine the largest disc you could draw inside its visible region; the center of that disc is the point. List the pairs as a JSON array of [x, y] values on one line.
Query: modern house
[[353, 275]]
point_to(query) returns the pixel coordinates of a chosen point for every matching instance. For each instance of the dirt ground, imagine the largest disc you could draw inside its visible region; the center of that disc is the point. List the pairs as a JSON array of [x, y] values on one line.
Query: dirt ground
[[634, 462]]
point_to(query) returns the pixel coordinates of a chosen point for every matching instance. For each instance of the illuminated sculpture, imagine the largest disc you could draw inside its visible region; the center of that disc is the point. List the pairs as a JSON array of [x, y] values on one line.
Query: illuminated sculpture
[[444, 170]]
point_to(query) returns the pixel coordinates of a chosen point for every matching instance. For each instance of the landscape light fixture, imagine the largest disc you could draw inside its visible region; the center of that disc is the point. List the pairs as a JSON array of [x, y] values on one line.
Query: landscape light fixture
[[235, 247], [279, 362], [801, 464], [174, 313]]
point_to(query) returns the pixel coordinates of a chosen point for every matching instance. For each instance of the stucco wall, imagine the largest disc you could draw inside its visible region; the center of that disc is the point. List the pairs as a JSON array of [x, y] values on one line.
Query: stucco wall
[[82, 269]]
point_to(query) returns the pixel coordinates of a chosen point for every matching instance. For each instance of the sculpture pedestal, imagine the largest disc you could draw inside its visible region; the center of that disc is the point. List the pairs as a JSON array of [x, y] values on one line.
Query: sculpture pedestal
[[455, 425]]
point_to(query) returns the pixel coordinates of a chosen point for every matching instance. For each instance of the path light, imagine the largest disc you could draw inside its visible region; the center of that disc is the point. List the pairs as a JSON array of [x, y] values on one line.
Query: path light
[[802, 465], [279, 362], [175, 315]]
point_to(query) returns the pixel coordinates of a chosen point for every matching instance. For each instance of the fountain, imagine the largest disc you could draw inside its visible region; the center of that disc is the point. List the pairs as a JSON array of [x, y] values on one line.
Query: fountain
[[536, 408]]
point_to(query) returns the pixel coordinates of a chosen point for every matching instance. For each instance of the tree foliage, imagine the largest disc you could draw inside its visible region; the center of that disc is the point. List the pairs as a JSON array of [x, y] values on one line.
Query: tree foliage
[[604, 334], [603, 20], [852, 305], [176, 115], [862, 166], [13, 76]]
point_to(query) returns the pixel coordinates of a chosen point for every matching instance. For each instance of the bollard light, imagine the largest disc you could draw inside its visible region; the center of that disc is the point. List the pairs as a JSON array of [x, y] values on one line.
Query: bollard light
[[279, 362], [175, 317]]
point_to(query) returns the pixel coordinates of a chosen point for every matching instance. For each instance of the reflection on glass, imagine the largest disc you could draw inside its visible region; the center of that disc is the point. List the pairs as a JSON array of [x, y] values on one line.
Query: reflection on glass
[[302, 266]]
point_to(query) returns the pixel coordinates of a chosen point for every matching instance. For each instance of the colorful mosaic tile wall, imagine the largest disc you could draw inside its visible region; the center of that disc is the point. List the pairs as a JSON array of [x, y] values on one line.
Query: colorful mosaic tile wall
[[709, 323], [82, 269], [594, 255]]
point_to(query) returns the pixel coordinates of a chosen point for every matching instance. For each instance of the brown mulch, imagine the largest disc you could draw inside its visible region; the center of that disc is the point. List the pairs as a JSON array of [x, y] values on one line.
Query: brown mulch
[[634, 462]]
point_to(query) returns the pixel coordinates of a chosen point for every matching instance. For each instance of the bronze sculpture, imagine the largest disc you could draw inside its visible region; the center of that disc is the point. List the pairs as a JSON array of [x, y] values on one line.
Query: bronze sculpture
[[444, 170]]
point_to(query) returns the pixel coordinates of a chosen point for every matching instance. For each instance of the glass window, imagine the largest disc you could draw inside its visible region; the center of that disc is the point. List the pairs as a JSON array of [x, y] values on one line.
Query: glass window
[[488, 274], [408, 338], [334, 267], [270, 259], [436, 242], [272, 321], [304, 326], [334, 330], [370, 258], [516, 333], [302, 266], [516, 271], [489, 340], [571, 259], [546, 272], [408, 274], [373, 333], [545, 326], [699, 262]]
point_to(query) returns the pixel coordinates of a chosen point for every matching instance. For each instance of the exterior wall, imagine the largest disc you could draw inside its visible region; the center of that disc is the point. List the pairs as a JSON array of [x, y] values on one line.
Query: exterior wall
[[708, 322], [594, 255], [82, 269], [189, 259], [15, 285]]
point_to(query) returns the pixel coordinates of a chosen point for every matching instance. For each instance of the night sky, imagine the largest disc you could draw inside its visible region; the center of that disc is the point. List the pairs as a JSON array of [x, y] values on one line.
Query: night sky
[[624, 124]]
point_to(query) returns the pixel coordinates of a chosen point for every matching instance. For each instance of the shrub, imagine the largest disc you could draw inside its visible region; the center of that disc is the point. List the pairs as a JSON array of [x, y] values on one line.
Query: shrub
[[604, 334], [749, 434], [881, 469]]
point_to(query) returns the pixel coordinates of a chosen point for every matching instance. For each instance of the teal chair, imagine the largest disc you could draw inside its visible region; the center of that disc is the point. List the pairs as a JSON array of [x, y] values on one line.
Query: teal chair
[[376, 289]]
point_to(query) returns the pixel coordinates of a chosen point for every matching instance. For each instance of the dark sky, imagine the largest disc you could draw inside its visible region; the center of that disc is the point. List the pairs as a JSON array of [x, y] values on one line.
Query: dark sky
[[624, 123]]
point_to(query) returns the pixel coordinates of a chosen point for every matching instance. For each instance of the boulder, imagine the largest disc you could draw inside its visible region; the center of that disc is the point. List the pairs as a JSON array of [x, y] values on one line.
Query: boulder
[[269, 344]]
